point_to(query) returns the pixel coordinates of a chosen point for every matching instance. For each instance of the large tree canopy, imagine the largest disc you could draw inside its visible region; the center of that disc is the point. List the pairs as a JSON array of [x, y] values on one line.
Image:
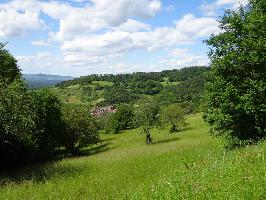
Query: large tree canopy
[[235, 94]]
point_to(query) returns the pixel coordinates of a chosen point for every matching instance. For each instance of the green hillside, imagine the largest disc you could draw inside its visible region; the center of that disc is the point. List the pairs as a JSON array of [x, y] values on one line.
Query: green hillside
[[167, 87], [185, 165]]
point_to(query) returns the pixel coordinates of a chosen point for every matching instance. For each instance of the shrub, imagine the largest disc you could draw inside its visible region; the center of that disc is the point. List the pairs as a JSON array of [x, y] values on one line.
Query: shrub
[[17, 125], [111, 123], [48, 121], [80, 128], [125, 116]]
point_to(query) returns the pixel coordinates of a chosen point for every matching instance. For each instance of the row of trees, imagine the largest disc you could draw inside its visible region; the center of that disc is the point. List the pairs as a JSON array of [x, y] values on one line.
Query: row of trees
[[33, 124], [146, 114], [172, 75]]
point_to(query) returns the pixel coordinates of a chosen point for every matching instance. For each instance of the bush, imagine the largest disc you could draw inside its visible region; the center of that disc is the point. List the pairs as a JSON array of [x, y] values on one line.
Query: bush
[[80, 128], [48, 121], [17, 125], [111, 124], [125, 116]]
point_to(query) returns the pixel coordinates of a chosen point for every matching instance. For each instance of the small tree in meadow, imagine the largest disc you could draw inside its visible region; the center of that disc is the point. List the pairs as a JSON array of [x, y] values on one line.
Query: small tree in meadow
[[146, 116], [174, 116]]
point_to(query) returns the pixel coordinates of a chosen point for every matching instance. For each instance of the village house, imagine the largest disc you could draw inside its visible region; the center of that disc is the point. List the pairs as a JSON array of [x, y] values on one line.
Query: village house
[[100, 111]]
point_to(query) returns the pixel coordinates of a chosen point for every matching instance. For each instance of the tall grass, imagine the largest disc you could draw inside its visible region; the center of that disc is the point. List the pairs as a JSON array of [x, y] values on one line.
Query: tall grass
[[185, 165]]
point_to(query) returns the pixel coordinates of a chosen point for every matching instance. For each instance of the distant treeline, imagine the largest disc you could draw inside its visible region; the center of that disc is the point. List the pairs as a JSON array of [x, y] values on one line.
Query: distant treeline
[[175, 75], [167, 87]]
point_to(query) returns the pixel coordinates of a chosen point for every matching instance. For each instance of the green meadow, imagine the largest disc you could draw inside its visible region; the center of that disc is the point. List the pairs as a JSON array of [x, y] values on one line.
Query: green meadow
[[189, 164]]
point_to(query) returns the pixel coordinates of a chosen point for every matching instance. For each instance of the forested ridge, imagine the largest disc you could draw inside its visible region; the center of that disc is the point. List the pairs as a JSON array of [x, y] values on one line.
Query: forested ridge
[[169, 86]]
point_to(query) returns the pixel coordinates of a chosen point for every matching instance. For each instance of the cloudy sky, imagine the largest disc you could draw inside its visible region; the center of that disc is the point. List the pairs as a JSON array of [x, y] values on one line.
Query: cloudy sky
[[80, 37]]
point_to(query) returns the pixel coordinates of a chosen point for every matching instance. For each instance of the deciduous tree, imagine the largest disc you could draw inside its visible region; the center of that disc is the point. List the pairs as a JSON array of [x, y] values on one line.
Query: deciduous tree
[[235, 97]]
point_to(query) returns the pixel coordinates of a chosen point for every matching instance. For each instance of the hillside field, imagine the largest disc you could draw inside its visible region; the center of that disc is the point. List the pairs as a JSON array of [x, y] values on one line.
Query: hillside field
[[189, 164]]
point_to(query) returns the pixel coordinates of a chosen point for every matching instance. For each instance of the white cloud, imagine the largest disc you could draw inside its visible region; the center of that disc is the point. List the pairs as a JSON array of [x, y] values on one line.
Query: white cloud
[[101, 15], [17, 17], [183, 58], [210, 9], [48, 63], [94, 38], [178, 52], [41, 62], [170, 8], [132, 26], [197, 27], [119, 42], [40, 43]]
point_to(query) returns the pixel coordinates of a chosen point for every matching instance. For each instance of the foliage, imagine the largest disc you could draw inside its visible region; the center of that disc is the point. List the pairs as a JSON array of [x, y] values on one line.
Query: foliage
[[185, 73], [111, 124], [88, 93], [48, 121], [80, 128], [174, 115], [30, 123], [146, 116], [149, 87], [8, 66], [173, 76], [117, 95], [189, 92], [236, 87], [125, 116], [17, 125], [128, 88], [122, 119]]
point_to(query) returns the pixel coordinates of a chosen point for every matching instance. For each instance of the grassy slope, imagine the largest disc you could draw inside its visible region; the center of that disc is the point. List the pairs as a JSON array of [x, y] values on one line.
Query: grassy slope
[[73, 93], [185, 165], [165, 83]]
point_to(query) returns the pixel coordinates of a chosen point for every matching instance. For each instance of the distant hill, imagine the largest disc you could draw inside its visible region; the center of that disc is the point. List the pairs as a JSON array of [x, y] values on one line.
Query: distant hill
[[35, 81]]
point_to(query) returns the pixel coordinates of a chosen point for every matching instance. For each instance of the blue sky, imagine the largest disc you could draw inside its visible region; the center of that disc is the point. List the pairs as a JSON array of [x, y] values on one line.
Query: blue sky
[[81, 37]]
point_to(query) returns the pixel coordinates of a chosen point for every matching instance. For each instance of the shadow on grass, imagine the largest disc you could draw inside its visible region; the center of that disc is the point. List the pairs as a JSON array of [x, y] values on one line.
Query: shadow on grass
[[166, 140], [42, 171], [95, 150], [185, 129], [107, 139], [39, 172]]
